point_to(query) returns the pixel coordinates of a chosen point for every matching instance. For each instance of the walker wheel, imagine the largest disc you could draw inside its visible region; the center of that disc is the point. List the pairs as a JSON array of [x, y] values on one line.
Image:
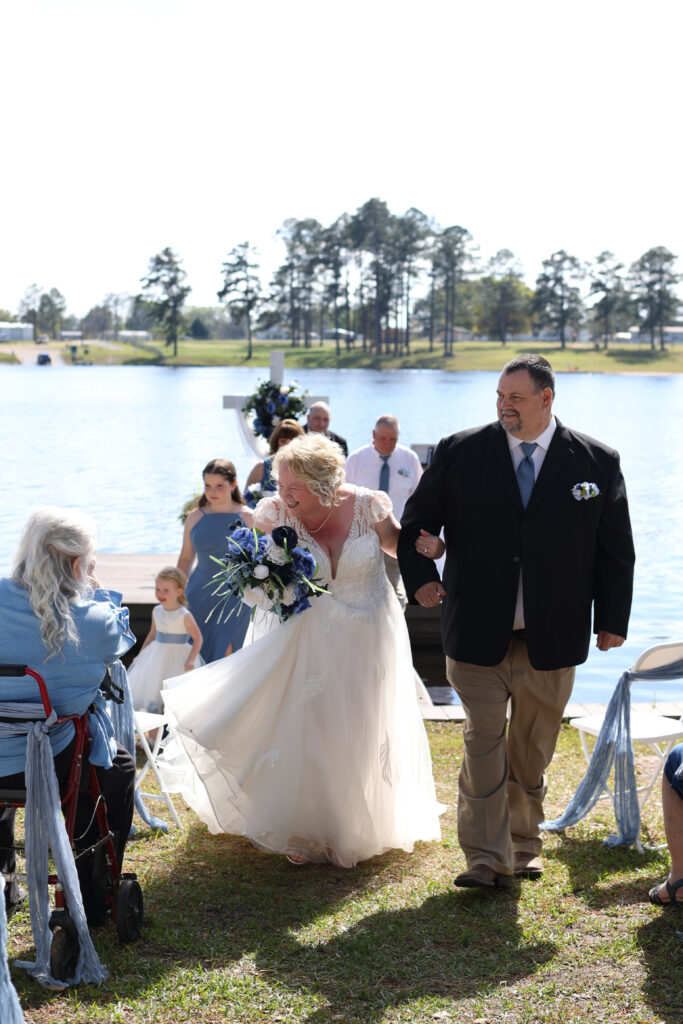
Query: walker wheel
[[65, 947], [129, 910]]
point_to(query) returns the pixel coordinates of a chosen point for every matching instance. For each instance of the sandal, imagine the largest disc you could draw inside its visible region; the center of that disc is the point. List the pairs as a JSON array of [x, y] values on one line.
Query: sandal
[[671, 888]]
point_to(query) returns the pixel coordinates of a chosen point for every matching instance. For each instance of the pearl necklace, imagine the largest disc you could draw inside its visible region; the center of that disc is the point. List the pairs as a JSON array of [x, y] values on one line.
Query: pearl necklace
[[319, 528]]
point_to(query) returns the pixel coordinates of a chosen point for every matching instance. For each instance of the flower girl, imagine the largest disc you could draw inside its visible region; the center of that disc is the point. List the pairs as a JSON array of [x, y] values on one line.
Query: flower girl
[[172, 645]]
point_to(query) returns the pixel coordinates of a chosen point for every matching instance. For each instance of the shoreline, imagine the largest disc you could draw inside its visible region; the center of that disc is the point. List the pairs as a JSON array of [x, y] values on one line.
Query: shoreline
[[637, 359]]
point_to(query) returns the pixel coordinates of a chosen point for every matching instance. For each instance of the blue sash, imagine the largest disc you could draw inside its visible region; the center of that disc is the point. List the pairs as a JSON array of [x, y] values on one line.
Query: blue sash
[[173, 638]]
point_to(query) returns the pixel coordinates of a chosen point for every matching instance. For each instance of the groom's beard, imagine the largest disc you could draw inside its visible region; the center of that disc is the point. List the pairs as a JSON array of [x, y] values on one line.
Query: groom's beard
[[510, 421]]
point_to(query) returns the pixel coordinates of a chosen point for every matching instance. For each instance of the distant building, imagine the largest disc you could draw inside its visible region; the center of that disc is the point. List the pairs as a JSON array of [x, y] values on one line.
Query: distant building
[[273, 334], [15, 331], [331, 335], [457, 334], [129, 337], [673, 334], [70, 335]]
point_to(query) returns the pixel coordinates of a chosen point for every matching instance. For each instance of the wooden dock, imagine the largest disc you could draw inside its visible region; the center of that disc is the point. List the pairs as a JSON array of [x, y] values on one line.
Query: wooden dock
[[133, 576]]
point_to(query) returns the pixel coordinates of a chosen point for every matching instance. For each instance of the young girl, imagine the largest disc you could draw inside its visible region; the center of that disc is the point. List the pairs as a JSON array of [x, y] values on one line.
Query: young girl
[[220, 509], [166, 651]]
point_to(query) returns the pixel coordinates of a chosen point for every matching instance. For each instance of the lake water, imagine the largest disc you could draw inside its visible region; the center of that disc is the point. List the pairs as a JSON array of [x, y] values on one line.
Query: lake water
[[128, 445]]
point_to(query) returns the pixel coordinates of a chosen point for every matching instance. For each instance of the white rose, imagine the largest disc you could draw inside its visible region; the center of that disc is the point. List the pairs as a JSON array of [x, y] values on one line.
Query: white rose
[[261, 572], [255, 597], [289, 595], [274, 553], [275, 420]]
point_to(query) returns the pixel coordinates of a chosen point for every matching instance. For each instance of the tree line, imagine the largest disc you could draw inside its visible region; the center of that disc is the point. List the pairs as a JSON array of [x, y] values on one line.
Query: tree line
[[376, 279]]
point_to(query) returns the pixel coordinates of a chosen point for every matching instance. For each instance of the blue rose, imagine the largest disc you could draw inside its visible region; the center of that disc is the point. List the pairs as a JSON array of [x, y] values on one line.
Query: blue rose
[[241, 543], [304, 562], [270, 407]]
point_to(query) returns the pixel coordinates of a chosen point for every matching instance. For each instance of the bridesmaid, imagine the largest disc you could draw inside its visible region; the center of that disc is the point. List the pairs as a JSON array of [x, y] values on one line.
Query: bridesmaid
[[206, 528]]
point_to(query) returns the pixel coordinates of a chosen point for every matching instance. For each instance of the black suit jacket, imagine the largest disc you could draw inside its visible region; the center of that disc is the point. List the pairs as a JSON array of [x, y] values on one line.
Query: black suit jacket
[[576, 554], [334, 437]]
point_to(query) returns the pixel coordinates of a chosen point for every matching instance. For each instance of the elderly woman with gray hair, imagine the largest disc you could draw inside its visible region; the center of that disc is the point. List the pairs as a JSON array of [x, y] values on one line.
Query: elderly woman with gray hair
[[310, 740], [55, 618]]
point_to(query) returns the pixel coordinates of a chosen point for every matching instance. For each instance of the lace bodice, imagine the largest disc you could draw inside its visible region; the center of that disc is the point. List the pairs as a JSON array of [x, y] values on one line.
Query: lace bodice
[[360, 582]]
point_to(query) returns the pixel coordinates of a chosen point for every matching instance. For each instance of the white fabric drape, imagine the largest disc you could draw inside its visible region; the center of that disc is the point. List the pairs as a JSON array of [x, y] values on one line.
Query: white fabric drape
[[256, 446]]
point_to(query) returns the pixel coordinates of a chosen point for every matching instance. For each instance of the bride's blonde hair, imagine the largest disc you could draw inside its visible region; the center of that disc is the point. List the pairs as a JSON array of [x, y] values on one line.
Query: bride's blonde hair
[[316, 461], [44, 563]]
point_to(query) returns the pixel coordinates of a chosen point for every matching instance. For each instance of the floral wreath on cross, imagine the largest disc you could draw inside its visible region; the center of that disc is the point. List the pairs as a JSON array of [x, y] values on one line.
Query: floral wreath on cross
[[271, 403]]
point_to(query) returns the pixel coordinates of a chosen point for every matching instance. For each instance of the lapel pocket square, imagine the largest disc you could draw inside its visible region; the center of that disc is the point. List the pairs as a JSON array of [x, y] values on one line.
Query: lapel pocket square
[[585, 491]]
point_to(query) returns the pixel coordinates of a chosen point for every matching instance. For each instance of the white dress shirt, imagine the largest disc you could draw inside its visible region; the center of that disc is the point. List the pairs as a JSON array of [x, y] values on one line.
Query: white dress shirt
[[517, 452], [364, 465]]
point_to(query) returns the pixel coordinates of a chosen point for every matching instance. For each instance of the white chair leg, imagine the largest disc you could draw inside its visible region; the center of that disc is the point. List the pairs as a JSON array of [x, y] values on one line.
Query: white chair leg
[[151, 755]]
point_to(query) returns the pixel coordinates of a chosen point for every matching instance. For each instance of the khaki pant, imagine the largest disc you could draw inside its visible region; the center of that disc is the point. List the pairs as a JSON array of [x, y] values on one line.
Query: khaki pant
[[502, 780], [394, 575]]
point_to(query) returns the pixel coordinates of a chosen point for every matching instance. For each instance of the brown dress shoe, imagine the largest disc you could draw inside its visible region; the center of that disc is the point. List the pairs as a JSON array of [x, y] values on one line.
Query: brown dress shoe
[[528, 865], [481, 876]]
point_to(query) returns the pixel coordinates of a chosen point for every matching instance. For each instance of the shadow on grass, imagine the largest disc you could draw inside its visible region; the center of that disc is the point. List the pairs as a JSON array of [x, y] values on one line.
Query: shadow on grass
[[452, 946], [336, 935], [592, 867], [638, 357], [589, 862], [662, 958]]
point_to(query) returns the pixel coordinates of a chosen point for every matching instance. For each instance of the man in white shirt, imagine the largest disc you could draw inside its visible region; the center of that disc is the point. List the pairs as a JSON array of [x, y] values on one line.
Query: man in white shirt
[[386, 465]]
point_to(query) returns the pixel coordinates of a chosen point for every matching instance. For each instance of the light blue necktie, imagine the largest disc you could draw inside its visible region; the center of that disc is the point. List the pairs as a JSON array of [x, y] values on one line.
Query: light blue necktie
[[384, 474], [525, 472]]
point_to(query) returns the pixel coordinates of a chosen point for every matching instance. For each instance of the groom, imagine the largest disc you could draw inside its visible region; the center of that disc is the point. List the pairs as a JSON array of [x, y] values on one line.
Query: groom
[[537, 533]]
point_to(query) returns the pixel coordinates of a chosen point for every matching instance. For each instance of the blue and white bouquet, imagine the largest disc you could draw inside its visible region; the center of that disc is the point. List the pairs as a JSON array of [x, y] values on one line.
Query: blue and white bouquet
[[271, 403], [256, 491], [266, 571]]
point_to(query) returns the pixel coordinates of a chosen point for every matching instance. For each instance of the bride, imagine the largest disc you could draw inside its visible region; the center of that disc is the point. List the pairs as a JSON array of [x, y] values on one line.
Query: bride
[[310, 741]]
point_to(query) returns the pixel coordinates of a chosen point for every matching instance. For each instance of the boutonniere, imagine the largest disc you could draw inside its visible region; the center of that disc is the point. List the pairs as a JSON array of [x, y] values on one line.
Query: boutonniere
[[404, 472], [585, 491]]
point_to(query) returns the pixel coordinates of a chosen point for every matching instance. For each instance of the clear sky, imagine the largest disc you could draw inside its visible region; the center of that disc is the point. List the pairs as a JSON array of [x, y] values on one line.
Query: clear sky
[[130, 125]]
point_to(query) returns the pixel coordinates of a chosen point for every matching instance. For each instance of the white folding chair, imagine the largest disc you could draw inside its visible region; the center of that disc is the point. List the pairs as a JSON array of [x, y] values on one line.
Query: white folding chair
[[660, 732], [146, 721]]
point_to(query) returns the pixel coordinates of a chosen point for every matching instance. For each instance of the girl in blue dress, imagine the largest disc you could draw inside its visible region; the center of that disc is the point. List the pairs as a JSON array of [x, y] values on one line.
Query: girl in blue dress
[[220, 509]]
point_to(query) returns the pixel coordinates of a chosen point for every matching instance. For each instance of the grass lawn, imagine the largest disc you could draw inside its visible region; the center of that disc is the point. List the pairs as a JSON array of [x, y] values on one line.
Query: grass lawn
[[468, 355], [236, 935]]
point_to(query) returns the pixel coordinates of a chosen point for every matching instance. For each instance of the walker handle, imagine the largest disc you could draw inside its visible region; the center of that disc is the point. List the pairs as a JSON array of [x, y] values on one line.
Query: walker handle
[[24, 670]]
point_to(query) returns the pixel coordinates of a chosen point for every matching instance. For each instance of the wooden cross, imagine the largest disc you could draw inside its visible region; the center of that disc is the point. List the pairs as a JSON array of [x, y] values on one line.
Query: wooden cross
[[277, 372]]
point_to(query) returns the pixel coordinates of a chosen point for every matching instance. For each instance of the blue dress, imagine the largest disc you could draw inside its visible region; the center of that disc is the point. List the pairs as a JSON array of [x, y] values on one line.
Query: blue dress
[[263, 488], [268, 481], [209, 537]]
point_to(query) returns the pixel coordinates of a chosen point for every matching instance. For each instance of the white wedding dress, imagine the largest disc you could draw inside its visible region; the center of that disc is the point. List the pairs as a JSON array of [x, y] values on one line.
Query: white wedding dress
[[309, 741]]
